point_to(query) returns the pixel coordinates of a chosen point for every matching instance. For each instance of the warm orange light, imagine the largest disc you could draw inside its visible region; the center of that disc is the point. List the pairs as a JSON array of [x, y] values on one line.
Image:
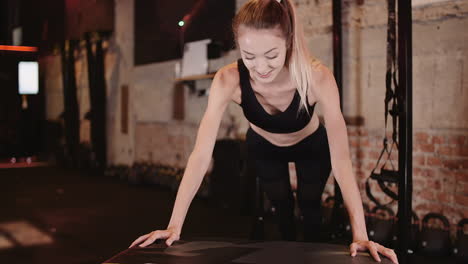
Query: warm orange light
[[18, 48]]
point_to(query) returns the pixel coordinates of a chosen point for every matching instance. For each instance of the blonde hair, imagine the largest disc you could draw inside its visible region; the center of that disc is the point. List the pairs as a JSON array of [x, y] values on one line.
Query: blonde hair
[[268, 14]]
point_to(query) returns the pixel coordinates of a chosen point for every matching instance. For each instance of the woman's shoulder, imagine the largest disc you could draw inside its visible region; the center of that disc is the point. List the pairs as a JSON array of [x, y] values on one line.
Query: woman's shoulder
[[322, 77], [228, 75], [225, 83], [321, 73]]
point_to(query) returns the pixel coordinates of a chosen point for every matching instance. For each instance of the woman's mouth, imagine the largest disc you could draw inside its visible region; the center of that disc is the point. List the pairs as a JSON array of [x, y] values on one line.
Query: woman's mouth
[[264, 75]]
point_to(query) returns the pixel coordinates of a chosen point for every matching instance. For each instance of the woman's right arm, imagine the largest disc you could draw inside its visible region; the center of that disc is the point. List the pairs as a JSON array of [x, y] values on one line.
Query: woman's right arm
[[221, 92]]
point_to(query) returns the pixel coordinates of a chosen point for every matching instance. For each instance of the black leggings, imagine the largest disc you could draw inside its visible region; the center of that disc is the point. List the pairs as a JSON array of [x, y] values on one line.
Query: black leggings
[[312, 159]]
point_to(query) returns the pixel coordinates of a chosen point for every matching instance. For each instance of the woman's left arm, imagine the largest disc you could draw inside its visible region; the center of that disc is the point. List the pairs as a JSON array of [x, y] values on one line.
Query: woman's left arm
[[326, 92]]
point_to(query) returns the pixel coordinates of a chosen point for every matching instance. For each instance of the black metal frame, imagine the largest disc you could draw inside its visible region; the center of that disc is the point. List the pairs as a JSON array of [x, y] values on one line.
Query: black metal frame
[[97, 96], [405, 131], [338, 73]]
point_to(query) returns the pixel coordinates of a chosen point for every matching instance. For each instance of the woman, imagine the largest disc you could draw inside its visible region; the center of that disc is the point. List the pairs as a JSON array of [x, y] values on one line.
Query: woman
[[278, 84]]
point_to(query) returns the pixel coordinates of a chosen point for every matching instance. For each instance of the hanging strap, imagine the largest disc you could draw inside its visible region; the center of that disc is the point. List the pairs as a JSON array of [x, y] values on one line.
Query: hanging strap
[[390, 101], [390, 80], [390, 77]]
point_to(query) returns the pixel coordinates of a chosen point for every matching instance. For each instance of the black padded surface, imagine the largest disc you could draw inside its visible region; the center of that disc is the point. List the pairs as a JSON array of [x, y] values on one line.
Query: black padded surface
[[218, 252]]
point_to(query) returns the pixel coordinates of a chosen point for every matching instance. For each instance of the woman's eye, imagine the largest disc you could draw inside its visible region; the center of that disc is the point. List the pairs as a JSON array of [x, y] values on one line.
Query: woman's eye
[[271, 58], [249, 58]]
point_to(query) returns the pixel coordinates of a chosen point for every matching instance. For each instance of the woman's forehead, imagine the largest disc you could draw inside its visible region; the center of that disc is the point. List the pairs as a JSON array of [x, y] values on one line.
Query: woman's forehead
[[259, 40], [273, 32]]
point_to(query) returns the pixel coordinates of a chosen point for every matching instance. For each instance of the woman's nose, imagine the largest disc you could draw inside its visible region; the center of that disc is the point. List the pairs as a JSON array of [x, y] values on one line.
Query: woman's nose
[[261, 66]]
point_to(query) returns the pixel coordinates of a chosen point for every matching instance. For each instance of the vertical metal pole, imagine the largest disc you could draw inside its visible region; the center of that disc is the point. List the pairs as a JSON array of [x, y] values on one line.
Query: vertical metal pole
[[338, 48], [405, 131], [338, 73], [71, 108], [101, 105]]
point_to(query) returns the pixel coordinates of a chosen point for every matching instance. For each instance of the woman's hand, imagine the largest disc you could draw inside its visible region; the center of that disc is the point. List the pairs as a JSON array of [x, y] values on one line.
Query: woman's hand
[[169, 234], [374, 249]]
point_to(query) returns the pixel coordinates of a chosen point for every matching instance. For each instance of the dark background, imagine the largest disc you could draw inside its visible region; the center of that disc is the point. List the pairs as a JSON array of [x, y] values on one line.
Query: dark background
[[157, 31]]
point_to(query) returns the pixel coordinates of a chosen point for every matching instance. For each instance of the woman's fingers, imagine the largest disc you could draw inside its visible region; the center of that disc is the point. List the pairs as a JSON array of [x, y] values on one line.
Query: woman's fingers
[[150, 238], [353, 249], [373, 251], [389, 253], [171, 239], [155, 235], [140, 239]]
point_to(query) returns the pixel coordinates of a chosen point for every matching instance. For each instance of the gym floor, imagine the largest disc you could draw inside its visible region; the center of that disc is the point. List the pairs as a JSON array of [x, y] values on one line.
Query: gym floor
[[53, 215]]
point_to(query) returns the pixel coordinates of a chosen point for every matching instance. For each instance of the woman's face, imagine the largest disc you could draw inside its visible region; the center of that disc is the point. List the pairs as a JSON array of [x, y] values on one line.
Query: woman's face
[[263, 52]]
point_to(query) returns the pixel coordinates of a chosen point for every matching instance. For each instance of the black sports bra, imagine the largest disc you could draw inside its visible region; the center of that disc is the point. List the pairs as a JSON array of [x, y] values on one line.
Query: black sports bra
[[284, 122]]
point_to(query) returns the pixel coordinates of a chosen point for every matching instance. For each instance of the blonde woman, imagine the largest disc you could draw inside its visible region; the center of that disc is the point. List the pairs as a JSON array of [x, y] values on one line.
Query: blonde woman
[[278, 84]]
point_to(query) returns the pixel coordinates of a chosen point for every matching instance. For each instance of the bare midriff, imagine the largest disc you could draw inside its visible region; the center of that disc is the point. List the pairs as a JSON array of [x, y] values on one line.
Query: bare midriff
[[288, 139]]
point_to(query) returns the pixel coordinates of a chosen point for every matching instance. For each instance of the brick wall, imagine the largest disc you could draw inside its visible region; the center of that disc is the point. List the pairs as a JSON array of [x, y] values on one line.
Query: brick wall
[[440, 169]]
